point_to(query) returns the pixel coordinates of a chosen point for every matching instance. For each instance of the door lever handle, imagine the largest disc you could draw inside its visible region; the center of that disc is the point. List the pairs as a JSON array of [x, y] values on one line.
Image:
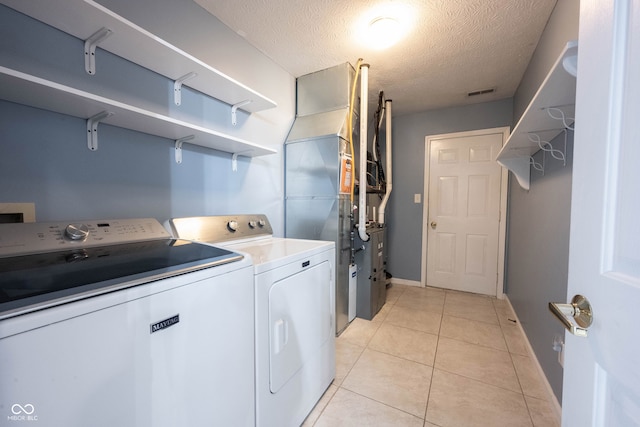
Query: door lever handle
[[579, 309]]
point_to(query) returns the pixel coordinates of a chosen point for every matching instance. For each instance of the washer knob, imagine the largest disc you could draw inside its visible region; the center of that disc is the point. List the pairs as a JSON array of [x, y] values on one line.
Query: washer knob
[[253, 224], [232, 225], [262, 223], [76, 232]]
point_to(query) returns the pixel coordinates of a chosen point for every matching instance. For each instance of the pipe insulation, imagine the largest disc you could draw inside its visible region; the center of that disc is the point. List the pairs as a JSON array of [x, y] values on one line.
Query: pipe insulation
[[362, 193], [389, 186]]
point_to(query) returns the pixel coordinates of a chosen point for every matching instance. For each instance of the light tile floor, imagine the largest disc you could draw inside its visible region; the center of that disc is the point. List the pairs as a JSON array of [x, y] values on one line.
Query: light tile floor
[[434, 358]]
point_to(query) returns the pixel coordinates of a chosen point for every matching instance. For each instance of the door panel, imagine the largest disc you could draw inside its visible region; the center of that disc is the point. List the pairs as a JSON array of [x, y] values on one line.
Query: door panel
[[445, 252], [447, 195], [476, 257], [601, 372], [464, 213], [299, 310], [480, 154], [478, 195]]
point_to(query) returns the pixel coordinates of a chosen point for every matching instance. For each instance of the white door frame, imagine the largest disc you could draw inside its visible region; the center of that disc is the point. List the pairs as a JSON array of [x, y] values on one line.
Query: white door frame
[[503, 203]]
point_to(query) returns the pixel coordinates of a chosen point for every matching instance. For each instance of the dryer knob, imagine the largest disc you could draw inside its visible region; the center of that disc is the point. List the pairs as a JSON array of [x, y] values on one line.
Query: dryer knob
[[253, 224], [232, 225], [262, 223]]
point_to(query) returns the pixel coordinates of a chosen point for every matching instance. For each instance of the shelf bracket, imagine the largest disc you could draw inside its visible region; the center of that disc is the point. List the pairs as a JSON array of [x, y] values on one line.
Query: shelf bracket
[[537, 166], [90, 49], [547, 147], [234, 159], [179, 147], [234, 109], [561, 116], [177, 87], [92, 129], [234, 162]]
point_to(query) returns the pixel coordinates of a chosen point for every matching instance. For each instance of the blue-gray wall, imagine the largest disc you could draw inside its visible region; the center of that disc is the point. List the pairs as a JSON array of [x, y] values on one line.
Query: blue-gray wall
[[538, 227], [404, 217], [538, 255], [44, 156]]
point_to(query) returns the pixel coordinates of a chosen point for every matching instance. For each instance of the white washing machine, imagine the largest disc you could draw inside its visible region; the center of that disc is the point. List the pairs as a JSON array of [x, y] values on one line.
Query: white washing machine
[[114, 323], [295, 311]]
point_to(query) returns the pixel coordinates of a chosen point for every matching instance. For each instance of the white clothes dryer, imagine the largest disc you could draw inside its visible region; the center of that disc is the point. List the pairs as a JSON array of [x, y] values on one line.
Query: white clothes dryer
[[294, 311]]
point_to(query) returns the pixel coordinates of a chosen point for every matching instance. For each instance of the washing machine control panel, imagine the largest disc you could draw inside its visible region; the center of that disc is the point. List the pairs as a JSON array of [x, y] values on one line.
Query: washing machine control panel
[[35, 237]]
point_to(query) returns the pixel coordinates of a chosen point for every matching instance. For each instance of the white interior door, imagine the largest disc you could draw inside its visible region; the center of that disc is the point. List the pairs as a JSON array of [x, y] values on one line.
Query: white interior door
[[602, 371], [463, 222]]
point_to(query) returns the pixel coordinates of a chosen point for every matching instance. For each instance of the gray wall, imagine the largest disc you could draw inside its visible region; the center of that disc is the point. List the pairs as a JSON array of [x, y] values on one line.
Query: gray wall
[[44, 156], [561, 28], [404, 217], [538, 255], [538, 231]]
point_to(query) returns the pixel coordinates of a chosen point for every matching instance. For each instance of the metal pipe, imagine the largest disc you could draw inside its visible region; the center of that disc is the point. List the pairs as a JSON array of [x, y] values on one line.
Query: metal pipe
[[389, 186], [362, 203]]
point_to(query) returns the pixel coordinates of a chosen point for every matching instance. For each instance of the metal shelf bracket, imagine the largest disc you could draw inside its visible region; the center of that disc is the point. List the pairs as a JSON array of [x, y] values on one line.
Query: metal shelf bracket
[[556, 113], [537, 166], [547, 147], [234, 162], [177, 87], [92, 129], [234, 159], [179, 147], [90, 49], [234, 109]]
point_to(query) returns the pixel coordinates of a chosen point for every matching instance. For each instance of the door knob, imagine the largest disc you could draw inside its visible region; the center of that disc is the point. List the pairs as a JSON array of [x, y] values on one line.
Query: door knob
[[579, 309], [434, 224]]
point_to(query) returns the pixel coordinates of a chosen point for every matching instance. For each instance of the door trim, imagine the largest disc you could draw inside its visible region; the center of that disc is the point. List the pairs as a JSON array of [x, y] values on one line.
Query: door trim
[[503, 203]]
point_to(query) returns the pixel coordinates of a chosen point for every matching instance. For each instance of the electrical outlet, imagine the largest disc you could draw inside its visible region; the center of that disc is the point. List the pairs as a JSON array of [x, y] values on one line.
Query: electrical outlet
[[558, 346], [17, 212], [417, 198]]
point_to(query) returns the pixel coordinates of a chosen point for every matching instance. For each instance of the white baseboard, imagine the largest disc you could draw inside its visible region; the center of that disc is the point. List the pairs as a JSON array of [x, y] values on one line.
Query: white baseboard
[[552, 397], [396, 281]]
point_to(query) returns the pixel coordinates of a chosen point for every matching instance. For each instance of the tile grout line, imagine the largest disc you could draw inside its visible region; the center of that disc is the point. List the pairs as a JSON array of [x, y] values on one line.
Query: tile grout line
[[551, 398], [515, 370], [435, 357], [385, 321], [338, 387]]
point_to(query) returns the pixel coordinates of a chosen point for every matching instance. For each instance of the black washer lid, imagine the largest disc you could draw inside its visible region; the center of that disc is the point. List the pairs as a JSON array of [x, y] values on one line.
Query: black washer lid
[[36, 280]]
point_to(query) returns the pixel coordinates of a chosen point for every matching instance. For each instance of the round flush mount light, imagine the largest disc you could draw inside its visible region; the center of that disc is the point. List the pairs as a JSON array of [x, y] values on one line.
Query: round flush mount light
[[384, 32], [384, 26]]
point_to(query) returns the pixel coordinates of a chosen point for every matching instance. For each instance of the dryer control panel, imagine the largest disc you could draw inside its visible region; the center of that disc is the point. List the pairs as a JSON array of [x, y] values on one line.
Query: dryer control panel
[[221, 228]]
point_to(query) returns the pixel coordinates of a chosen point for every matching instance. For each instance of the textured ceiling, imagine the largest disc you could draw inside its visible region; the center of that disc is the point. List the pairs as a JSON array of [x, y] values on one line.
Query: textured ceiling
[[453, 46]]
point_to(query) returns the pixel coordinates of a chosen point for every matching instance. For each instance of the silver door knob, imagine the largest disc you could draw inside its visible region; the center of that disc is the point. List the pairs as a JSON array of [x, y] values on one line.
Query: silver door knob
[[579, 309], [434, 224]]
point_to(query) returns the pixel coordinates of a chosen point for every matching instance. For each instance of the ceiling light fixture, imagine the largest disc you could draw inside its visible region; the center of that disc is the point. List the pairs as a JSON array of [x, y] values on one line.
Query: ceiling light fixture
[[384, 26], [384, 32]]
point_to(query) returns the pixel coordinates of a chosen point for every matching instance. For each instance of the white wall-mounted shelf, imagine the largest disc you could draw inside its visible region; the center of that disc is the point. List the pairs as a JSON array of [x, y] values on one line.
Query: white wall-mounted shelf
[[549, 113], [22, 88], [84, 18]]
